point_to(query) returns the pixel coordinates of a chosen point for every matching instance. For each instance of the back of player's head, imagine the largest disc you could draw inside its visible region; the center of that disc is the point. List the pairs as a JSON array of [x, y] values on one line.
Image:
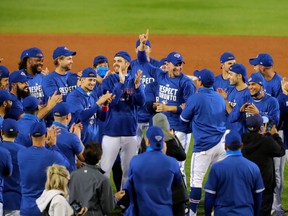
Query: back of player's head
[[155, 136], [92, 153], [38, 129], [233, 140], [9, 128], [205, 76]]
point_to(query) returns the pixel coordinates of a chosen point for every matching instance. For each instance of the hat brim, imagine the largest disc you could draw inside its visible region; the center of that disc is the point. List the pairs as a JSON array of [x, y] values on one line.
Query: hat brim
[[253, 61]]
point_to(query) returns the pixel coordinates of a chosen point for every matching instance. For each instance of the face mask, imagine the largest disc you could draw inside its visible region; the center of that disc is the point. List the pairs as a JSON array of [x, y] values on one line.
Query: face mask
[[101, 71]]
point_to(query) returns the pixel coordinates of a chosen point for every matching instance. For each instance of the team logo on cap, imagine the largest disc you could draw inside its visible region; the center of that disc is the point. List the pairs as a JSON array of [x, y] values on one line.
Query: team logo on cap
[[231, 57], [22, 74], [158, 138], [177, 55]]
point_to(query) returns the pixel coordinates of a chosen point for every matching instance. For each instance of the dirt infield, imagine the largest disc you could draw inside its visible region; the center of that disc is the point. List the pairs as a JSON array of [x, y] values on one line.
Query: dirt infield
[[198, 51]]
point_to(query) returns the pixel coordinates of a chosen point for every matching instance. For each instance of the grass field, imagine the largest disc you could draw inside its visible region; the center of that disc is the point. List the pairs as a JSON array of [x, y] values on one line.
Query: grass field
[[216, 17], [201, 205]]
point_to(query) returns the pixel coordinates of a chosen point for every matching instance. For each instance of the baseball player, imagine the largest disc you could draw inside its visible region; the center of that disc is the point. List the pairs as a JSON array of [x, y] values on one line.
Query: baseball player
[[174, 90], [227, 59], [263, 64], [11, 190], [5, 104], [4, 80], [86, 106], [101, 66], [207, 112], [33, 162], [234, 185], [121, 122], [31, 63]]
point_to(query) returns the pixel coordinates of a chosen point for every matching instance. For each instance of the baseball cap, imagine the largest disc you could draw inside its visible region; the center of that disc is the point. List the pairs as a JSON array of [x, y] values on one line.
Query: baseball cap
[[175, 58], [88, 72], [38, 129], [10, 125], [162, 61], [233, 139], [227, 56], [4, 72], [256, 78], [262, 59], [30, 103], [4, 95], [239, 69], [100, 59], [253, 122], [61, 109], [124, 55], [147, 43], [62, 51], [18, 76], [161, 121], [206, 76], [33, 52], [155, 136]]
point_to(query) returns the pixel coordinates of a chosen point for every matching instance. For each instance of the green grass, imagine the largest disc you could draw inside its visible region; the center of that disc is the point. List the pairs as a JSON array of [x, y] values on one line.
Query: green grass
[[217, 17], [117, 211]]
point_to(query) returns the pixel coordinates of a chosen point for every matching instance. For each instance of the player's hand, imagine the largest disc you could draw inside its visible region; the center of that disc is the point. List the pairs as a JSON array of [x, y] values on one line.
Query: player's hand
[[52, 134], [54, 99], [76, 129], [251, 108], [119, 194], [105, 99], [222, 93], [161, 107], [137, 81], [143, 39]]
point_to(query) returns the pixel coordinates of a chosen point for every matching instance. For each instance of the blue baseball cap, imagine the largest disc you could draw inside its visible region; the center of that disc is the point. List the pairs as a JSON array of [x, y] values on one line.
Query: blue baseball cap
[[4, 72], [147, 43], [100, 59], [162, 61], [262, 59], [206, 76], [233, 139], [38, 129], [10, 125], [175, 58], [18, 76], [61, 109], [88, 72], [33, 52], [62, 51], [30, 103], [227, 56], [4, 95], [255, 121], [155, 136], [124, 55], [256, 78], [239, 69]]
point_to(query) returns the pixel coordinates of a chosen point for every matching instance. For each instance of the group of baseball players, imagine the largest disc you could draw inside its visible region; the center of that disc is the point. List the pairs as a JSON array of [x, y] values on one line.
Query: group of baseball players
[[114, 107]]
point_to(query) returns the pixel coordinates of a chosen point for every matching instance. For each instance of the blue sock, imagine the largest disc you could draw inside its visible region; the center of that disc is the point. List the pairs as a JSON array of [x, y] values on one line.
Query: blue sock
[[195, 197]]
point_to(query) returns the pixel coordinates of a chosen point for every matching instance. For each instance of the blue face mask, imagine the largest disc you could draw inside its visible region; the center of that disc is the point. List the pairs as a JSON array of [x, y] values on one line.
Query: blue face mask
[[101, 71]]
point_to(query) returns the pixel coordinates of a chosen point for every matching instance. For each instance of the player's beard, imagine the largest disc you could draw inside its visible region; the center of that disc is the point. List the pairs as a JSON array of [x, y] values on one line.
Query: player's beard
[[21, 93], [34, 69]]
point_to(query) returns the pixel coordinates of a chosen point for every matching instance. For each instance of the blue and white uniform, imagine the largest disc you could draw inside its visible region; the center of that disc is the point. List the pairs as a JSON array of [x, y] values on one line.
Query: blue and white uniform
[[35, 86], [16, 109], [12, 191], [221, 83], [273, 86], [233, 182], [84, 107]]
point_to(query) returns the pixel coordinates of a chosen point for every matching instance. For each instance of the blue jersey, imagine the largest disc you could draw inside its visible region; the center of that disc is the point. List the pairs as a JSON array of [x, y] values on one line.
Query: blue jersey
[[33, 163], [234, 181], [59, 83], [6, 168], [207, 111], [153, 191], [236, 99], [85, 109], [268, 106], [172, 92], [143, 115], [12, 190], [273, 86], [283, 105], [69, 144], [24, 125], [35, 86], [122, 114], [16, 109], [221, 83]]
